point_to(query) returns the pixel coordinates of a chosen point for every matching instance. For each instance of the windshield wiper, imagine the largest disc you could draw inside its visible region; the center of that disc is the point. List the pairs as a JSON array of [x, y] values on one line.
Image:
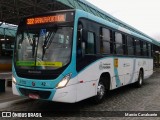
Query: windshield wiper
[[48, 40], [34, 45]]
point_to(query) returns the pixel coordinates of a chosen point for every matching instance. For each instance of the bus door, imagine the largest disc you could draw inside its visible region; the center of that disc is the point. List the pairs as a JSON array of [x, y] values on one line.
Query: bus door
[[85, 56]]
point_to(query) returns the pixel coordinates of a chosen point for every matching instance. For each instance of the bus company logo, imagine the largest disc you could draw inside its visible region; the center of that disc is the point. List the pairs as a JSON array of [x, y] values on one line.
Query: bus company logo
[[33, 84], [103, 66], [100, 66]]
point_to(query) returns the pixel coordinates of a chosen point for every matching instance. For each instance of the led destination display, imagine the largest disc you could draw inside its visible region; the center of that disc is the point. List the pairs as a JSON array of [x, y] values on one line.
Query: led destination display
[[46, 19]]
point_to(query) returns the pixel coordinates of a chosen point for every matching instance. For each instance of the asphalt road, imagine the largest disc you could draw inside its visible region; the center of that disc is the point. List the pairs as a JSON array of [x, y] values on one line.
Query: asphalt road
[[128, 98]]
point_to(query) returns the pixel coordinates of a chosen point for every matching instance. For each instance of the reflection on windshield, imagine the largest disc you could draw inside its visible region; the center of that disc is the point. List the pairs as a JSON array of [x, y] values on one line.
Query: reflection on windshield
[[45, 48]]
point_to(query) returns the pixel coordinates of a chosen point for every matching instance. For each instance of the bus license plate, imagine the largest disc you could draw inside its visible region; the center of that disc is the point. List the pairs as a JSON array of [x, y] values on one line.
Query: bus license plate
[[33, 96]]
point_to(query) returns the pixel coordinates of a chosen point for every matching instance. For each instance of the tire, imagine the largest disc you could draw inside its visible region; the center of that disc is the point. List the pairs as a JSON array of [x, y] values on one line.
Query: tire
[[101, 92], [139, 83]]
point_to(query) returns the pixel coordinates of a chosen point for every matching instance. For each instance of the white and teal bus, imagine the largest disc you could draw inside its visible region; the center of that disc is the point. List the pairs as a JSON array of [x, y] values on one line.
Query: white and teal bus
[[72, 55]]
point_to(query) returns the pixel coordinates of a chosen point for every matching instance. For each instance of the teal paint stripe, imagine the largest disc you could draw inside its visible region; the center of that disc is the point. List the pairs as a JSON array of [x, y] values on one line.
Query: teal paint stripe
[[52, 95], [14, 73], [17, 87], [118, 81]]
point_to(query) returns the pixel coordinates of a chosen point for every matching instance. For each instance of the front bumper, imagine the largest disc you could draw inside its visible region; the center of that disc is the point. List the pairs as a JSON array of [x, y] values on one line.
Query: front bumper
[[66, 94]]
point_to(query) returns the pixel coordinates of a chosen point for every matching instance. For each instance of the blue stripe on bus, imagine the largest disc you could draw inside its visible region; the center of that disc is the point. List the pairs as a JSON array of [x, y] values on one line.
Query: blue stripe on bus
[[118, 81]]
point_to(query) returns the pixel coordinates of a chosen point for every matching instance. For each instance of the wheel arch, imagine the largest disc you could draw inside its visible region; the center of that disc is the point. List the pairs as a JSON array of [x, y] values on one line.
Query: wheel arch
[[141, 69], [106, 79]]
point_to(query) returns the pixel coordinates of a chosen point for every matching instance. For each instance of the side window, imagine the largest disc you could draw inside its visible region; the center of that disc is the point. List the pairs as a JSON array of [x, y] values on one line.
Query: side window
[[79, 41], [138, 47], [141, 45], [130, 45], [149, 50], [106, 43], [145, 49], [118, 37], [118, 43], [90, 45]]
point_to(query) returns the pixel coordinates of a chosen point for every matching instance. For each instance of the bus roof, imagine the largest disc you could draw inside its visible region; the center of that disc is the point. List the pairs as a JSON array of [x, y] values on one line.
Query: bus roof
[[88, 7]]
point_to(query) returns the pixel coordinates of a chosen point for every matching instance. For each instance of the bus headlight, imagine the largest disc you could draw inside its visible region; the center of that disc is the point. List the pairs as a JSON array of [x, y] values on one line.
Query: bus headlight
[[64, 81], [14, 80]]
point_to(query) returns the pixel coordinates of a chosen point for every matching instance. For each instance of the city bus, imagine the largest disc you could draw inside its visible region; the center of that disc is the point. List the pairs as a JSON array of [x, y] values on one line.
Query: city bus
[[71, 55]]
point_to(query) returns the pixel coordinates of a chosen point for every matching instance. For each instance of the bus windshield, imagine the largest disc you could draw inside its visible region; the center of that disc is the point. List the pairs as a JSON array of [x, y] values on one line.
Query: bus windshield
[[43, 48]]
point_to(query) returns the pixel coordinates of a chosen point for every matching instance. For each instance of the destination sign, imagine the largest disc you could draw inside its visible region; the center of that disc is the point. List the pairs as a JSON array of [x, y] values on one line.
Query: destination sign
[[46, 19]]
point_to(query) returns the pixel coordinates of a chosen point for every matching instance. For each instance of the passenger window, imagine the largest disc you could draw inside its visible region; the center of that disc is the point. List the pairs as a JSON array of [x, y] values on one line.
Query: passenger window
[[105, 34], [130, 45], [118, 38], [119, 43], [106, 43], [149, 50], [138, 48], [145, 49], [141, 46], [90, 45]]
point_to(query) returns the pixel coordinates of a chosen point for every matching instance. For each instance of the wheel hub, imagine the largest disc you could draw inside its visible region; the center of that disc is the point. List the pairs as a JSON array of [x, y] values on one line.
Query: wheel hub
[[140, 80], [100, 90]]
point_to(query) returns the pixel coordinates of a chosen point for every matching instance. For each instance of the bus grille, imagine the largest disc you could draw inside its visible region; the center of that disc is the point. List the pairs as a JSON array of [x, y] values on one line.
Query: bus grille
[[42, 94]]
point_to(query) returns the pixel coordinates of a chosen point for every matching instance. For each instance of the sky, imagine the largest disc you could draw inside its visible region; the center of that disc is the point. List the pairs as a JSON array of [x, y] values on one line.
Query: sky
[[143, 15]]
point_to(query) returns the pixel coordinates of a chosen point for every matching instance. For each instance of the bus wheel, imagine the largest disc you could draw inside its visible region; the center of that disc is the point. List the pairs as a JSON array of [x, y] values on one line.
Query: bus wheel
[[139, 83], [101, 91]]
